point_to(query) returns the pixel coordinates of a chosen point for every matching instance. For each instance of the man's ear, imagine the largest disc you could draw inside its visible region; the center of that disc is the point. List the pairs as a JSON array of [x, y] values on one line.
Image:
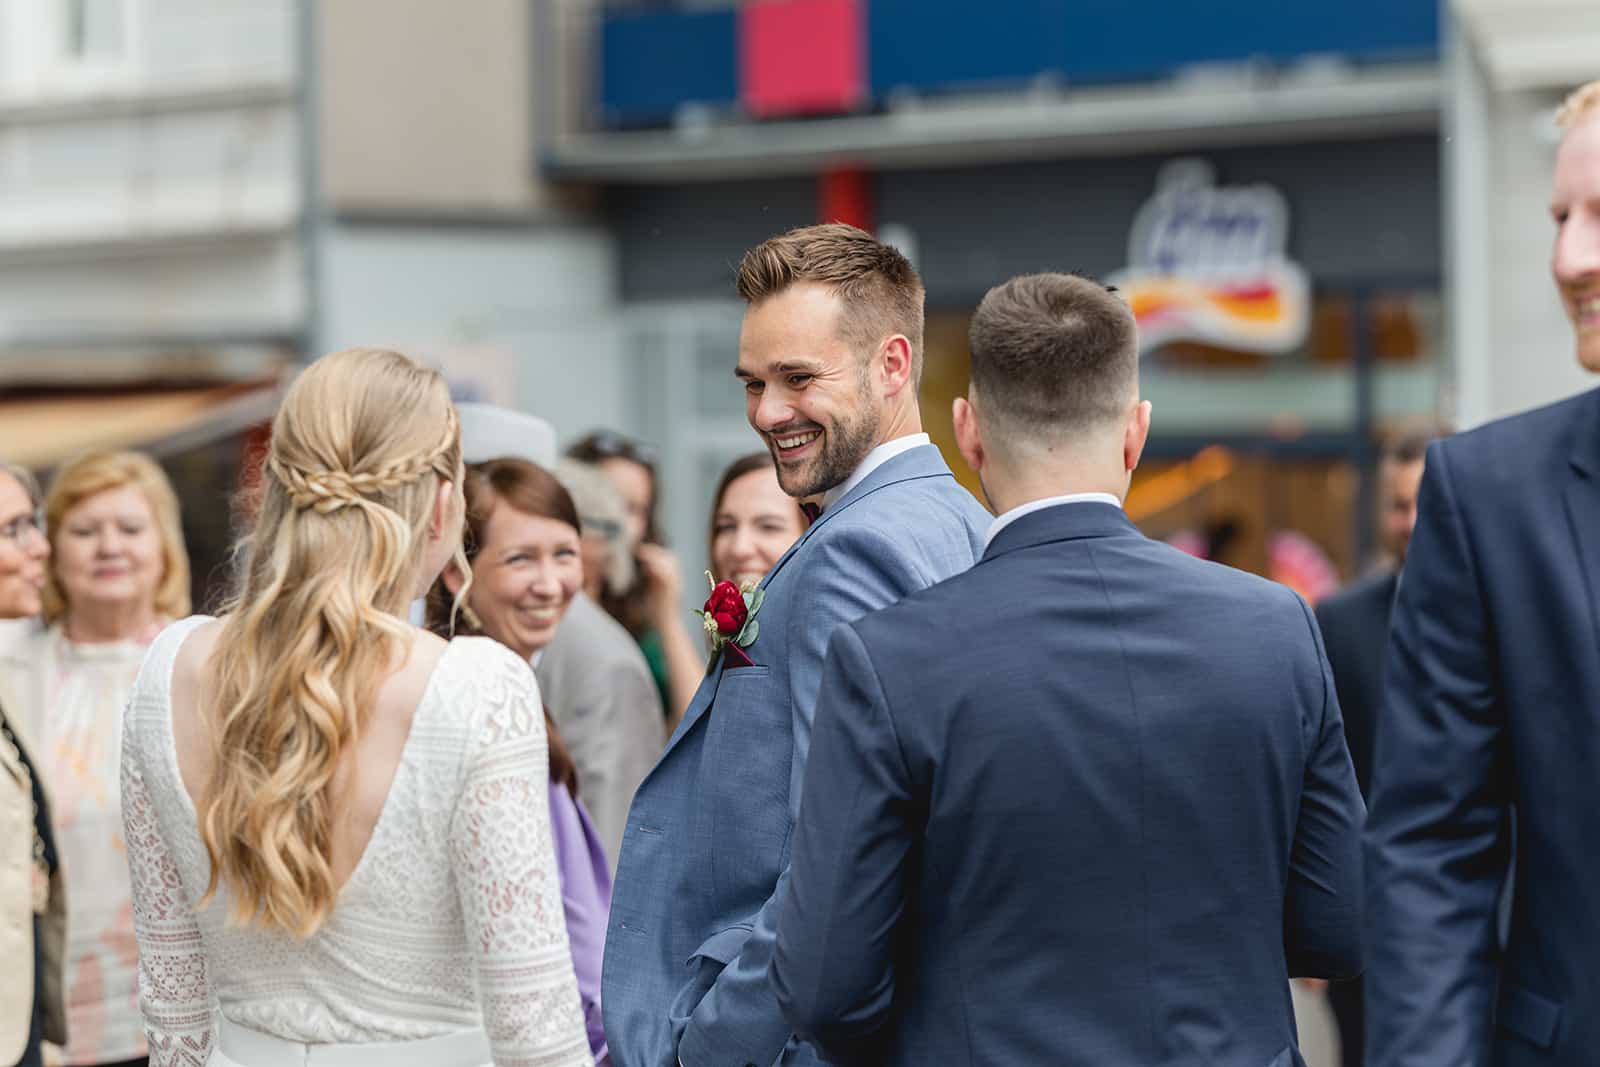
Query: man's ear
[[897, 363], [969, 436], [1134, 435]]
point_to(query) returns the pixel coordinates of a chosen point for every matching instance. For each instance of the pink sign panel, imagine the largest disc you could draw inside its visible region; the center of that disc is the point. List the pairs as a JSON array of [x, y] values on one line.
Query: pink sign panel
[[801, 57]]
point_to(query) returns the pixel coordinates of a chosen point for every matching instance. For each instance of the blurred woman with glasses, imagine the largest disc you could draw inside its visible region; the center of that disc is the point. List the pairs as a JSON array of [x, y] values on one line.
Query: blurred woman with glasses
[[650, 605], [32, 904]]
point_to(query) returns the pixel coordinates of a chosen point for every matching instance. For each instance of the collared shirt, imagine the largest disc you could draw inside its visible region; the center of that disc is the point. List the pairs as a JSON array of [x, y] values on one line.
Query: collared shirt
[[875, 459], [1002, 521]]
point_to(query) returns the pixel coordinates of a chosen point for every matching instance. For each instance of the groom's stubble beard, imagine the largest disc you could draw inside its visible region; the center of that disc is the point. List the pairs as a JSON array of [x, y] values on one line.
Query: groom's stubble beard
[[845, 443]]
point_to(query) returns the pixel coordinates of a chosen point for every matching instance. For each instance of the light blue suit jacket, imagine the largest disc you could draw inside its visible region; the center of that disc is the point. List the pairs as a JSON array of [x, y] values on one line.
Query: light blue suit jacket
[[706, 849]]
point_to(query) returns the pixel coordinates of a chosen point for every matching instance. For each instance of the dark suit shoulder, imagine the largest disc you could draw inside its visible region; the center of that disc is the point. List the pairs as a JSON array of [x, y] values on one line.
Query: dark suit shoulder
[[1187, 578], [928, 493], [1359, 597], [1506, 451]]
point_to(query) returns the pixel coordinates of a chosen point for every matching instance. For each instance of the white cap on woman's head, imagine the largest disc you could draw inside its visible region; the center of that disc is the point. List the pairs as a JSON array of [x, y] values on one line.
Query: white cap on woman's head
[[490, 432]]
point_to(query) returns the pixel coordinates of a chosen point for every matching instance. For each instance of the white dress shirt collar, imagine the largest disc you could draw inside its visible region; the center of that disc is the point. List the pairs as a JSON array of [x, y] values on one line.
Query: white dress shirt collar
[[875, 459], [1006, 519]]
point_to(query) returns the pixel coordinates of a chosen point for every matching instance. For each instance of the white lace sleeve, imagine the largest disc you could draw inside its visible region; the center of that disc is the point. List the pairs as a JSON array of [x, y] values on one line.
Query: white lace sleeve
[[505, 869], [174, 988]]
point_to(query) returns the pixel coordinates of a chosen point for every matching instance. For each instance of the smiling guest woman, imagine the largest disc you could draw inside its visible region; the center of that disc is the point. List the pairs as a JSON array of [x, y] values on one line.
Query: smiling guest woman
[[523, 546], [753, 521], [118, 574]]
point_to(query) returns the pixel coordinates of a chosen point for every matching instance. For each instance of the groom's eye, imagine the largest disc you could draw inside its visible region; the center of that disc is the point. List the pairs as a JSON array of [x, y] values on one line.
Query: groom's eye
[[752, 386], [799, 381]]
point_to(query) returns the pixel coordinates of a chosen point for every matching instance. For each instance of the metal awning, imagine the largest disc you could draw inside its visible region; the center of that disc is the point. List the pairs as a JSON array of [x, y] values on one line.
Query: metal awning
[[1183, 114], [43, 431]]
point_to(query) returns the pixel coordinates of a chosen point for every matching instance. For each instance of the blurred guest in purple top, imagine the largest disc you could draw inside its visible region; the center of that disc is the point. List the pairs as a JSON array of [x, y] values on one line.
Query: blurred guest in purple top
[[586, 897]]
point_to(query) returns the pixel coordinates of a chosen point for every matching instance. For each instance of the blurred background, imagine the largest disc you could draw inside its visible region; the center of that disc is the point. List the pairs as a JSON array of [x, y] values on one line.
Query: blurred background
[[1330, 219]]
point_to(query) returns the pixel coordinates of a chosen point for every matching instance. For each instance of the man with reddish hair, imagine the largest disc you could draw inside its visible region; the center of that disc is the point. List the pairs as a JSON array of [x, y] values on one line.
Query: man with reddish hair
[[1490, 724]]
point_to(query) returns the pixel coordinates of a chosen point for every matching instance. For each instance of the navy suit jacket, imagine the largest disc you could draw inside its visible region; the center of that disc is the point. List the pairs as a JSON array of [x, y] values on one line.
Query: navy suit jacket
[[708, 837], [1088, 803], [1355, 629], [1491, 714]]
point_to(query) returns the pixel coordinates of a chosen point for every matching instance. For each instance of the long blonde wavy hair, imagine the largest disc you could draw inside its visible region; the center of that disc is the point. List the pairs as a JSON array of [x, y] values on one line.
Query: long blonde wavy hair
[[358, 452]]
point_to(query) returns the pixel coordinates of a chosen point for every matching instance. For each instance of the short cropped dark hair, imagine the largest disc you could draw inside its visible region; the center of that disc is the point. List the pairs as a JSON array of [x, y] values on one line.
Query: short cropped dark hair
[[879, 287], [1053, 355], [1409, 444]]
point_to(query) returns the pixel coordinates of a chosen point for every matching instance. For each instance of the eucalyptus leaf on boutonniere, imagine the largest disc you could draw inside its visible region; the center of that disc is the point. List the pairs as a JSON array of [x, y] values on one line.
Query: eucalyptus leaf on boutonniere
[[729, 618]]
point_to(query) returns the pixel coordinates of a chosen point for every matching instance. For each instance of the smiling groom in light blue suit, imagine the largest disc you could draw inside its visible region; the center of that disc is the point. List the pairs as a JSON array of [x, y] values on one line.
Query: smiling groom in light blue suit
[[830, 355]]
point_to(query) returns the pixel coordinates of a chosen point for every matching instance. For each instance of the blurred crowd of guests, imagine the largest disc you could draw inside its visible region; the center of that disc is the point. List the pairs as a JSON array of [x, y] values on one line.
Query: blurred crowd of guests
[[567, 569]]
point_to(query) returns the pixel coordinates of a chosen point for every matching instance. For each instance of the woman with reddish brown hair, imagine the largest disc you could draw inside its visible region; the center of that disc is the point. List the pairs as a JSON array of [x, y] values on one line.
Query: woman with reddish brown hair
[[523, 548], [753, 521]]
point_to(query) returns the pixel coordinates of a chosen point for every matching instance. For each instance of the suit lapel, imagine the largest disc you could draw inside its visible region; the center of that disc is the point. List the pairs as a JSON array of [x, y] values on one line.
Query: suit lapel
[[697, 706], [924, 461], [1582, 498]]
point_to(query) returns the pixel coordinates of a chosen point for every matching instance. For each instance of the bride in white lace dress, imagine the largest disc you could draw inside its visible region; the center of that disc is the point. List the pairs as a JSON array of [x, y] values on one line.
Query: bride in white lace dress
[[337, 824]]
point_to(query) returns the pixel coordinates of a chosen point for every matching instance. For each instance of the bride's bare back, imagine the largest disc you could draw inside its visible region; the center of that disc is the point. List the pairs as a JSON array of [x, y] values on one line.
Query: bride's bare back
[[365, 773]]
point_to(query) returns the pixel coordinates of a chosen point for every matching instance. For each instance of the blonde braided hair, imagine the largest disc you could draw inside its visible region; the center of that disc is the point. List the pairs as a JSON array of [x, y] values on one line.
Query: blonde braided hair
[[363, 442], [328, 491]]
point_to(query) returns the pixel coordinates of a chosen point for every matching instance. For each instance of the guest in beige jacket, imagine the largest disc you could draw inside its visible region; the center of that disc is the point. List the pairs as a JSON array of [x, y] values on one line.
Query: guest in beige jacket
[[32, 903]]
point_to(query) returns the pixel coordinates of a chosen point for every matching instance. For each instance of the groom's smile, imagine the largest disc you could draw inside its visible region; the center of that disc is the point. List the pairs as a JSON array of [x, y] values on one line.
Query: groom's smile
[[793, 444]]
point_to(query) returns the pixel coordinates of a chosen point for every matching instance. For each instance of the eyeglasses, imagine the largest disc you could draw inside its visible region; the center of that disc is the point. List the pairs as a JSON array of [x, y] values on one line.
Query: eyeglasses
[[605, 528], [608, 444], [23, 528]]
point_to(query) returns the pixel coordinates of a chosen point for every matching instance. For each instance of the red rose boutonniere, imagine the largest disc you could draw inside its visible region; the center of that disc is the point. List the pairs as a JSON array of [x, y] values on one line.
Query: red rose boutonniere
[[729, 617]]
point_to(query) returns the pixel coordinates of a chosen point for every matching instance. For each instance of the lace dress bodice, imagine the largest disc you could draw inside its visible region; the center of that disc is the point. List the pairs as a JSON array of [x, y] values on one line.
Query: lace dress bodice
[[452, 919]]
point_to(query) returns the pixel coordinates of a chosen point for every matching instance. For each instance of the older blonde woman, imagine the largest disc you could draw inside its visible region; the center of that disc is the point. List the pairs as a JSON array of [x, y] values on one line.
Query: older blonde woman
[[31, 901], [118, 573]]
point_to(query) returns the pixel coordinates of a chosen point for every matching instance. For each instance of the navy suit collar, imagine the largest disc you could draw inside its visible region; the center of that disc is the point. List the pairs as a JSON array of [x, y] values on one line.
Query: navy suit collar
[[1585, 434], [1582, 495], [1063, 522]]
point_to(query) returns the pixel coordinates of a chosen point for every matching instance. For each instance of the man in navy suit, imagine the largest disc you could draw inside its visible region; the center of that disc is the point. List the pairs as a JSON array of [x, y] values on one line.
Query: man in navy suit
[[1355, 629], [829, 356], [1089, 802], [1491, 727], [1355, 620]]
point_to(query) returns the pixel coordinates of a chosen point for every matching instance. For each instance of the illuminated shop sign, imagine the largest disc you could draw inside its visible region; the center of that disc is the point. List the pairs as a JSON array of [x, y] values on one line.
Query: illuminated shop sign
[[1208, 264]]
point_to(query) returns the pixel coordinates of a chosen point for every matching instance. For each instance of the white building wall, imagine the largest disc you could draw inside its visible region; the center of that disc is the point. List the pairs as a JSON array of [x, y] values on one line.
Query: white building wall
[[152, 187], [519, 315]]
